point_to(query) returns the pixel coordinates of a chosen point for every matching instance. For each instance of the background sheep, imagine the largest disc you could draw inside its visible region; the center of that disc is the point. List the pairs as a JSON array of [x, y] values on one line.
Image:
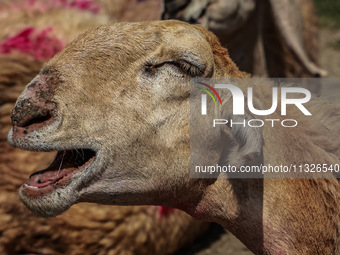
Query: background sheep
[[274, 38], [29, 37], [132, 10]]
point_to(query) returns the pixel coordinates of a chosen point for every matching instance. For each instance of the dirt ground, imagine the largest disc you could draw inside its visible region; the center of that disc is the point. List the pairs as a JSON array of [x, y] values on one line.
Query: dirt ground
[[217, 241]]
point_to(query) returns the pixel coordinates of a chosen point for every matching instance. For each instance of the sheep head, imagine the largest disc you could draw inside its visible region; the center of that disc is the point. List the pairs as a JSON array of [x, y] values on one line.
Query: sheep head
[[114, 104]]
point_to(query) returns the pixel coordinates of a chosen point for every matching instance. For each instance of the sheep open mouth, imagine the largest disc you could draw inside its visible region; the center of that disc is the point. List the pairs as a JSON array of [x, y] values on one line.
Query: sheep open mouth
[[60, 172]]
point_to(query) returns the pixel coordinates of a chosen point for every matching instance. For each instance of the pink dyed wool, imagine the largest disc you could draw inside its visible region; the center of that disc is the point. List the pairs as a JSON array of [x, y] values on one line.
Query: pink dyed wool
[[39, 45], [85, 5], [42, 6], [164, 211]]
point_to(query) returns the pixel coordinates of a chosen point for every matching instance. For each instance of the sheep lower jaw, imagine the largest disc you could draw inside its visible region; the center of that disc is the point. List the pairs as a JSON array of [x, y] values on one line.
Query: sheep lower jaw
[[65, 167]]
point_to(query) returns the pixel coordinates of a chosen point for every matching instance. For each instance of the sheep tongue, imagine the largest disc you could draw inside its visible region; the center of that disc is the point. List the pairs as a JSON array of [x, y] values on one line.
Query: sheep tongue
[[47, 177]]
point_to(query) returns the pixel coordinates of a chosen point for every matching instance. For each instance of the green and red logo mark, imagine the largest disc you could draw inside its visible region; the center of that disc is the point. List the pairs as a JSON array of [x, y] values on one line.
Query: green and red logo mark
[[209, 93]]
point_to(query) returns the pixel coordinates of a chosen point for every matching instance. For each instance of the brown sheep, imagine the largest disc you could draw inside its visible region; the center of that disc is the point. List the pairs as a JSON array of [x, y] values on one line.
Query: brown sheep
[[126, 102], [86, 228], [273, 38]]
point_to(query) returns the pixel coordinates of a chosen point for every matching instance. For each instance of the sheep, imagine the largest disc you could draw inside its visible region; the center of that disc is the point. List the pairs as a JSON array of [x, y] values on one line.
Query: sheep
[[273, 38], [131, 10], [126, 104], [86, 228]]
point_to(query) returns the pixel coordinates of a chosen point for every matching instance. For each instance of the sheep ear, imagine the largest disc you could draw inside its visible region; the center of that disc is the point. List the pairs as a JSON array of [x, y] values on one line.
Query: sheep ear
[[288, 19], [223, 138], [243, 143]]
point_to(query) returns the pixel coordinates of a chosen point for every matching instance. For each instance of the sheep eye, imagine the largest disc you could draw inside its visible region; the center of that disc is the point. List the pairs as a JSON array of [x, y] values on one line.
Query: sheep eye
[[187, 68], [182, 66], [150, 69]]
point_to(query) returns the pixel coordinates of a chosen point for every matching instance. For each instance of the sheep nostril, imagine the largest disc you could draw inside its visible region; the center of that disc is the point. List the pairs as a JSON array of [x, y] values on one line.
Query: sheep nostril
[[29, 113], [35, 120], [27, 119]]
